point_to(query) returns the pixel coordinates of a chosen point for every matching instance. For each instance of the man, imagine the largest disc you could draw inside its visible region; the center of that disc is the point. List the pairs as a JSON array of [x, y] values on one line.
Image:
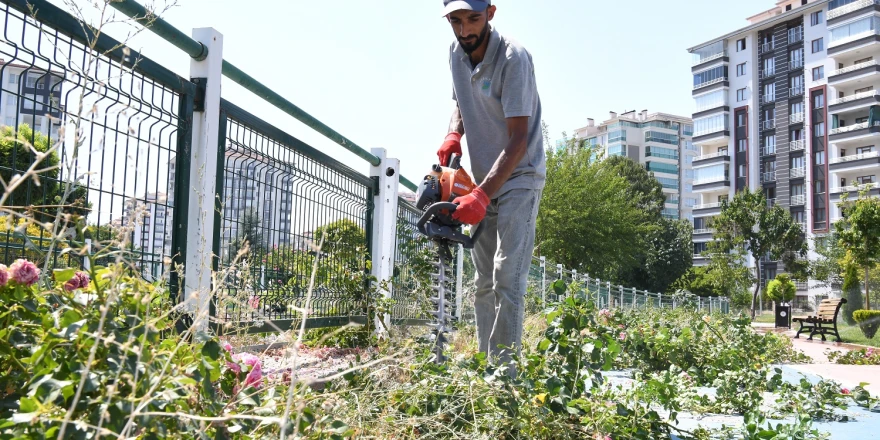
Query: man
[[498, 108]]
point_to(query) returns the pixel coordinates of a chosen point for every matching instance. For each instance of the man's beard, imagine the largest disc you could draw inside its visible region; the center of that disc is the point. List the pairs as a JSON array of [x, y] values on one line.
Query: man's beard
[[470, 48]]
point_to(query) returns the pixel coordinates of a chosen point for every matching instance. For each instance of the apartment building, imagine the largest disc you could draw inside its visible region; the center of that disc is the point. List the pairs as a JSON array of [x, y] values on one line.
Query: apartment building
[[30, 96], [253, 186], [789, 105], [150, 221], [660, 142]]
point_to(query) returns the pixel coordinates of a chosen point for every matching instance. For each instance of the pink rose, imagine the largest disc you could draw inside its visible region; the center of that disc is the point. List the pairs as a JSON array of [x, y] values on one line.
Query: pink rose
[[227, 347], [4, 275], [80, 280], [254, 302], [869, 353], [845, 391], [622, 336], [254, 377], [24, 272], [234, 367]]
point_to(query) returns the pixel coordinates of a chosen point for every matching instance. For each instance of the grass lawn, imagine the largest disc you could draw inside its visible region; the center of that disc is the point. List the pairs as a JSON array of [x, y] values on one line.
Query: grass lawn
[[853, 335], [767, 318]]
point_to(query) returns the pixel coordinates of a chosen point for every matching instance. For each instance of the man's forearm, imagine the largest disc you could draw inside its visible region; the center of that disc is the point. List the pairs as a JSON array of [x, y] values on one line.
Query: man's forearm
[[505, 164], [456, 125]]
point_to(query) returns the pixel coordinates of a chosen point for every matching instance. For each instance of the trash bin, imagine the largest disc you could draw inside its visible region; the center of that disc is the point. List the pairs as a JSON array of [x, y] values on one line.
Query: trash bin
[[783, 316]]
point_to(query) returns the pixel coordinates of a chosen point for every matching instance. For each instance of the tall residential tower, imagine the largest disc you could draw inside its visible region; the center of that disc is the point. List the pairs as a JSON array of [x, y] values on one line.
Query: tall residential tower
[[789, 105]]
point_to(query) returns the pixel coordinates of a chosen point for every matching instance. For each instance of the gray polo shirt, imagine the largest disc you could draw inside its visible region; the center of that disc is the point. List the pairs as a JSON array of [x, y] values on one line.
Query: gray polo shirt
[[501, 86]]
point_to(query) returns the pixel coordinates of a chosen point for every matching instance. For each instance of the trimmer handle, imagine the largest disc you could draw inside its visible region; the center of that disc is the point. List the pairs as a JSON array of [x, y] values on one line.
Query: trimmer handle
[[435, 231]]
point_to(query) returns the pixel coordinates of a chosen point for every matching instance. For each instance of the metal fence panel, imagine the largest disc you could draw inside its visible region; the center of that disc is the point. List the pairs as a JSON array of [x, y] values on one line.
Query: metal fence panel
[[280, 199], [107, 120]]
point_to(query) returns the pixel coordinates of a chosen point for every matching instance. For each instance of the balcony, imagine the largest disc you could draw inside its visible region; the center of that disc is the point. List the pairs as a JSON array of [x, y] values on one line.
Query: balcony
[[796, 118], [853, 188], [768, 151], [799, 200], [802, 285], [766, 47], [797, 173], [768, 125], [709, 83], [704, 231], [769, 73], [850, 75], [852, 7], [768, 176], [723, 154], [796, 91], [771, 203], [714, 57], [707, 206], [849, 128], [767, 99], [855, 157], [795, 64], [855, 100], [797, 145], [795, 35], [856, 161]]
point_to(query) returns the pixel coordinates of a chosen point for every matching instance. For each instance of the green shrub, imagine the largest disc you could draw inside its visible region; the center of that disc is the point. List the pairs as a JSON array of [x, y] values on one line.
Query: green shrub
[[782, 289], [869, 321], [852, 293]]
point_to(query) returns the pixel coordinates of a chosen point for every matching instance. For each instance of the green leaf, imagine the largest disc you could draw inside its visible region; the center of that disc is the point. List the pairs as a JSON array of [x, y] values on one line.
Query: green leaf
[[544, 345], [28, 405], [63, 275], [212, 350], [559, 287], [69, 317]]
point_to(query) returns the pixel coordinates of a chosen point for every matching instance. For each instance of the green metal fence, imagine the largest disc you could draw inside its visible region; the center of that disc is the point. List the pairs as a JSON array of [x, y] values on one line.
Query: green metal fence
[[111, 123], [297, 210]]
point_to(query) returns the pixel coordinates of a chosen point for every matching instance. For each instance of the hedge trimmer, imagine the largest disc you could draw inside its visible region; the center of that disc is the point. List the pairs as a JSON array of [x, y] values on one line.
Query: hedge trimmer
[[434, 198]]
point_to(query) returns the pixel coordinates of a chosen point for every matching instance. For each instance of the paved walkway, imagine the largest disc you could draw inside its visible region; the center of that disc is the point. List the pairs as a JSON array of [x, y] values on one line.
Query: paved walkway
[[848, 375]]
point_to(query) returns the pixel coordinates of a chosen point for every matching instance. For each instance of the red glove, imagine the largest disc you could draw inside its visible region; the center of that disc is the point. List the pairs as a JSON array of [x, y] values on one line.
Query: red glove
[[472, 207], [451, 145]]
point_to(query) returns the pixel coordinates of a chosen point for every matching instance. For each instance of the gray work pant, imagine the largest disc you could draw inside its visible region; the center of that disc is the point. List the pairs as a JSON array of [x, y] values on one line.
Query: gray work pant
[[502, 255]]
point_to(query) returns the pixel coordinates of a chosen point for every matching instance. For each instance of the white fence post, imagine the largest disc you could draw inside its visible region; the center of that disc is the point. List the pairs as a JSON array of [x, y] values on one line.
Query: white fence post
[[87, 262], [385, 223], [608, 285], [459, 281], [544, 281], [559, 270], [203, 180]]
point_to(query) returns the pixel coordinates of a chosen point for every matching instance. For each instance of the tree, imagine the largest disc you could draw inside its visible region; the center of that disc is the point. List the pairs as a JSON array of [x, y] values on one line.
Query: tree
[[781, 289], [44, 190], [587, 219], [250, 233], [669, 256], [852, 293], [746, 220], [828, 268], [643, 186], [859, 233]]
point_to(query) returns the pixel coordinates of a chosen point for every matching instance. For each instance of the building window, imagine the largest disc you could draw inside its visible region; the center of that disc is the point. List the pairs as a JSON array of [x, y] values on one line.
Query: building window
[[13, 78], [818, 45], [816, 18], [741, 69], [740, 44], [864, 150], [740, 120], [741, 95], [770, 91], [31, 81], [863, 90], [769, 66], [742, 145], [741, 171], [819, 101], [818, 73], [820, 214], [820, 158], [864, 180], [819, 187], [797, 107]]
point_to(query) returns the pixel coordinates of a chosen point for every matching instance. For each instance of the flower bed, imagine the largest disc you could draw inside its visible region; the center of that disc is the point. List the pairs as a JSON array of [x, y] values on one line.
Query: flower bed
[[119, 365]]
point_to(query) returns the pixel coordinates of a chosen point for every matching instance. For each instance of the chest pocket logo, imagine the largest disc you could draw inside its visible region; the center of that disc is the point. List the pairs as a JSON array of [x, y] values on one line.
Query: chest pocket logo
[[486, 87]]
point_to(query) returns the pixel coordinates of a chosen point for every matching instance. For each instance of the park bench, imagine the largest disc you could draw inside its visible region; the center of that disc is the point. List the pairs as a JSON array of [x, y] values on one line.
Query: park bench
[[824, 321]]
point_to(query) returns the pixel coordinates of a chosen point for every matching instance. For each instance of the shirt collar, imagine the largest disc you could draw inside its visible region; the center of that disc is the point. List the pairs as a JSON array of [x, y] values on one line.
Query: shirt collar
[[491, 50]]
